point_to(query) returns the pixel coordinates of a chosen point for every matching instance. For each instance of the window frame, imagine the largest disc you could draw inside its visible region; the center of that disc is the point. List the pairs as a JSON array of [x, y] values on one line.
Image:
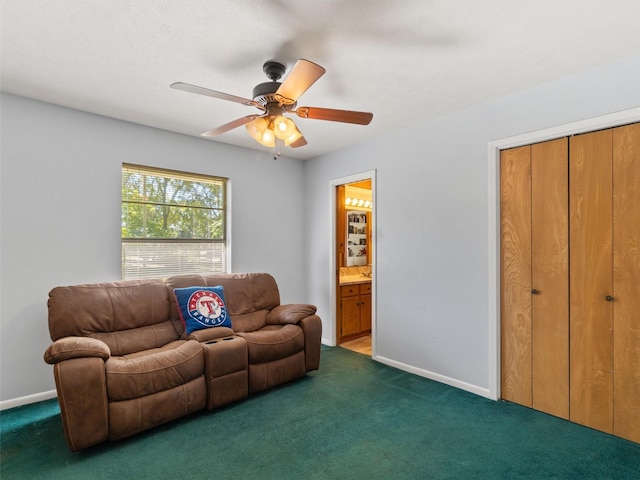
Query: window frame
[[220, 246]]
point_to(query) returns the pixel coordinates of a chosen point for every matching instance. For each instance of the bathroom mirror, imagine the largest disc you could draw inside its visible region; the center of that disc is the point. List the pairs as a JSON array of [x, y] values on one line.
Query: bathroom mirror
[[357, 248]]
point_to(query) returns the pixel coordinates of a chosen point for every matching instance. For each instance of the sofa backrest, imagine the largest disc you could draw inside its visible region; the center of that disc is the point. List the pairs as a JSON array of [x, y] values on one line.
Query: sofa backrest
[[128, 315], [135, 315], [249, 296]]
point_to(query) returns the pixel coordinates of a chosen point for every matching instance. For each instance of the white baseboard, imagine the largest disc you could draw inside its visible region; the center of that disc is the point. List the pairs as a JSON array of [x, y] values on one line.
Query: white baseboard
[[483, 392], [18, 402]]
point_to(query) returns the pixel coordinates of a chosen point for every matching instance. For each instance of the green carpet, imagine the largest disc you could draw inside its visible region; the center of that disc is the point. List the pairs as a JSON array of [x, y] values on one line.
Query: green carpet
[[352, 419]]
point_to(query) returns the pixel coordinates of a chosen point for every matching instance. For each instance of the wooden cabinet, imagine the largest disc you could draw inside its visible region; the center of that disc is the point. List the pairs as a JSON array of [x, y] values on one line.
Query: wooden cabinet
[[570, 278], [365, 307], [355, 311]]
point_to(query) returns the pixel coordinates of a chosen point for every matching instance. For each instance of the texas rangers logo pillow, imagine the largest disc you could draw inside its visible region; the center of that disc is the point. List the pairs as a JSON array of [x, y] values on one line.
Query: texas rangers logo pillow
[[202, 307]]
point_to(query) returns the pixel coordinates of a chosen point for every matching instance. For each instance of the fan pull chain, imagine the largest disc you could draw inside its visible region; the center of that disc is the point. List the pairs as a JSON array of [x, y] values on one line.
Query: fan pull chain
[[279, 144]]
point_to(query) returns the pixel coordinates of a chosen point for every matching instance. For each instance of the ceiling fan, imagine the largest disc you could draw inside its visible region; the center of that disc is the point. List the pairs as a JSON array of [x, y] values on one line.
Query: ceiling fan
[[272, 128]]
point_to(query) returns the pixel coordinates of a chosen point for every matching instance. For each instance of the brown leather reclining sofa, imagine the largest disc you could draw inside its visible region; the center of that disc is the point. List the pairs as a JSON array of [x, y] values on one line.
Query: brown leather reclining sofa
[[123, 362]]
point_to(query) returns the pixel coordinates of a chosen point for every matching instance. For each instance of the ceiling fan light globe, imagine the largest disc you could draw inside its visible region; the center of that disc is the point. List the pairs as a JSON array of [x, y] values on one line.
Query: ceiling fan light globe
[[283, 127], [295, 135], [259, 130], [267, 139], [256, 128]]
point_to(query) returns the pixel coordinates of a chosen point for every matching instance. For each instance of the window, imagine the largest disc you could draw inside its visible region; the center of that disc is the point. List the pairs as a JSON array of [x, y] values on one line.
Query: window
[[172, 222]]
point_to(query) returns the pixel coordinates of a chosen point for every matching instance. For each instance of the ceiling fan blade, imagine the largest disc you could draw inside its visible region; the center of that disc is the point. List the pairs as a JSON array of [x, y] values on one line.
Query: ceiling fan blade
[[330, 114], [301, 142], [303, 74], [229, 126], [186, 87]]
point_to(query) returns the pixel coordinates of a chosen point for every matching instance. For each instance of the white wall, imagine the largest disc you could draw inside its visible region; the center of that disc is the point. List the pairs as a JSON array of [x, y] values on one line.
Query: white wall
[[60, 216], [432, 220]]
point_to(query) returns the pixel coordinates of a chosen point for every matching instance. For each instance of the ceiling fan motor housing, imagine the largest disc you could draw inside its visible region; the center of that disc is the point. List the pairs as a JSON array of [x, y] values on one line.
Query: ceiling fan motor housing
[[264, 93]]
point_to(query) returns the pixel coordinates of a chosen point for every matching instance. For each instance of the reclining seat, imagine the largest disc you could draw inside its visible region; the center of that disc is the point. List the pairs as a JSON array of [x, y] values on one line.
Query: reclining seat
[[283, 341], [119, 365]]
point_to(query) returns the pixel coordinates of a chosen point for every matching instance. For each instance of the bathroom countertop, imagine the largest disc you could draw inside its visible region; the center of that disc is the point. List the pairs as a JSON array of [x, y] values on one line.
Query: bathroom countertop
[[354, 279]]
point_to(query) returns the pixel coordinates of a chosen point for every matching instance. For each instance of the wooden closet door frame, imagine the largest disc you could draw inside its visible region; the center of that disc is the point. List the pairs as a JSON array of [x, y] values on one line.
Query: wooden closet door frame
[[494, 147]]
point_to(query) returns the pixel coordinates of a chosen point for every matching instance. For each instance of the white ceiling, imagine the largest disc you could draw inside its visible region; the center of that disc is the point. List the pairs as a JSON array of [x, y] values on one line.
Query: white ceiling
[[407, 61]]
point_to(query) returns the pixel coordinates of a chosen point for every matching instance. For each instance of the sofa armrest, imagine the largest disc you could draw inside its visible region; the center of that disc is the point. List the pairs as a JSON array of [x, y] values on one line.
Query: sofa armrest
[[76, 347], [312, 328], [292, 313], [207, 334], [84, 406]]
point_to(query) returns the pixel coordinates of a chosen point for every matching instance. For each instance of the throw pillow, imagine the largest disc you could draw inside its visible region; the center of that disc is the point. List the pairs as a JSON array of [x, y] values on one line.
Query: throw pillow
[[202, 307]]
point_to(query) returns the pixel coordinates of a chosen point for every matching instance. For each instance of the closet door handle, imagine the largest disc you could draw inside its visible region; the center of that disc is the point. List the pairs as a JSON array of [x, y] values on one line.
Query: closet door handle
[[534, 291], [609, 298]]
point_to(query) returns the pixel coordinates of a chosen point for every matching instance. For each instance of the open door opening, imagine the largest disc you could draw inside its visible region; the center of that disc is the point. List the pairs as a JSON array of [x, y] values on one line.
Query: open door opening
[[354, 265]]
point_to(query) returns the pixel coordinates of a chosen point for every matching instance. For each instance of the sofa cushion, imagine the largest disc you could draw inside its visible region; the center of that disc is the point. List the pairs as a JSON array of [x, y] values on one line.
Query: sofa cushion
[[128, 315], [249, 322], [273, 342], [202, 307], [155, 370]]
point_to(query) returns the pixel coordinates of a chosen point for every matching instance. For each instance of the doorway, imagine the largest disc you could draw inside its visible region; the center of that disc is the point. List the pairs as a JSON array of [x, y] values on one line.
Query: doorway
[[353, 262]]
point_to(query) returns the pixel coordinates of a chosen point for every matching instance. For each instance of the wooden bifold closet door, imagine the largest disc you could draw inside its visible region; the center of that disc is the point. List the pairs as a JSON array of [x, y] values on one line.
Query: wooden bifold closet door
[[570, 278], [534, 277], [626, 282], [591, 317]]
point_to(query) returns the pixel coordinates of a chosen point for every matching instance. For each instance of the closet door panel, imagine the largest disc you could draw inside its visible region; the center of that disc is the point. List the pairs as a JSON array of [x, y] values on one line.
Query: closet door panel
[[515, 263], [626, 276], [591, 280], [550, 276]]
